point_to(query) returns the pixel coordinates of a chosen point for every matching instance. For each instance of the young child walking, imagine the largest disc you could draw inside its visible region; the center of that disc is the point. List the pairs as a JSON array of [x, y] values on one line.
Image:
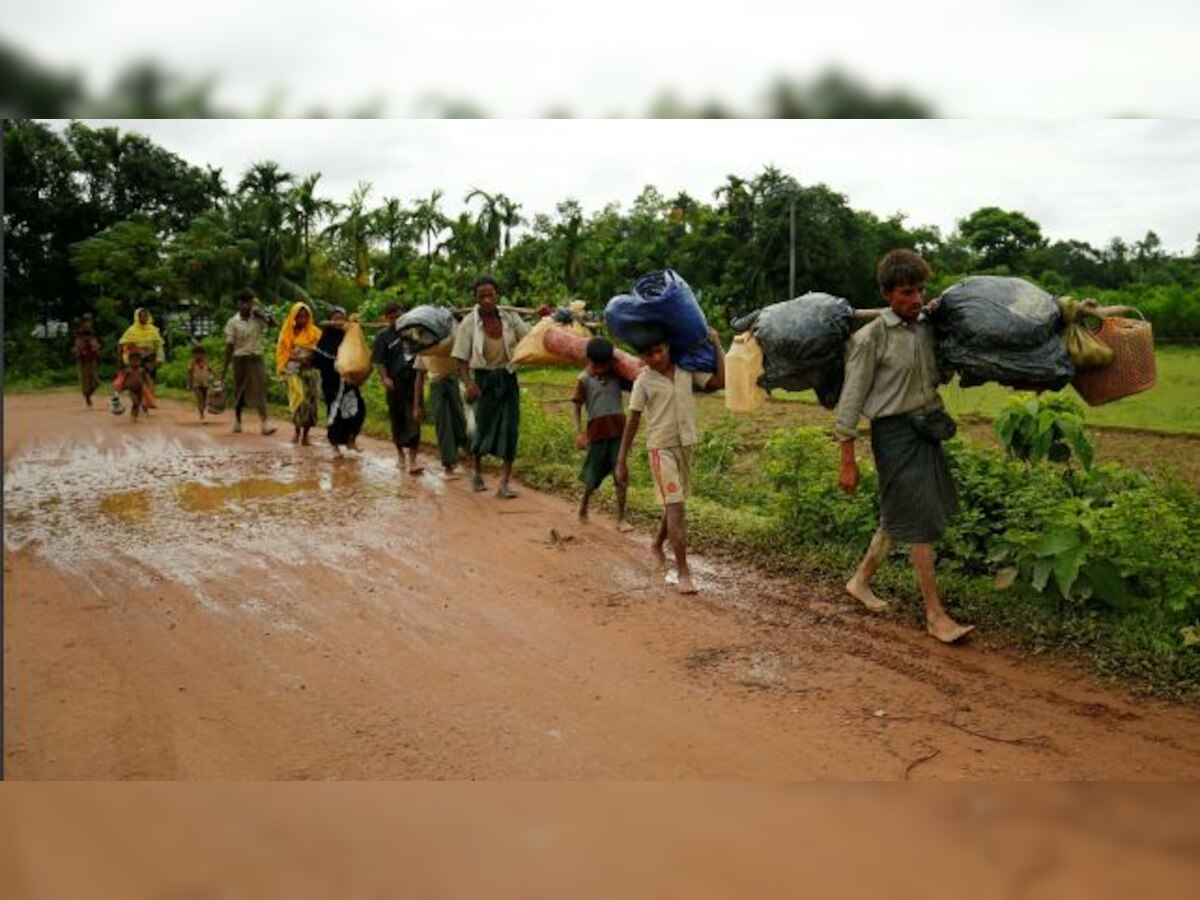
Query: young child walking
[[134, 384], [198, 377], [598, 389], [663, 393]]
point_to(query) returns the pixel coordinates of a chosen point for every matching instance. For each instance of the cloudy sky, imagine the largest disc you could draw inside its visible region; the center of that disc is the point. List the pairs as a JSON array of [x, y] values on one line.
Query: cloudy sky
[[1009, 58], [1088, 180]]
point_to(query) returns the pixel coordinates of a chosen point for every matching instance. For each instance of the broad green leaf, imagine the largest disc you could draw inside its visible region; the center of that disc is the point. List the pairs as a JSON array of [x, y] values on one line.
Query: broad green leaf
[[1066, 570], [1106, 579], [1041, 574], [1056, 541]]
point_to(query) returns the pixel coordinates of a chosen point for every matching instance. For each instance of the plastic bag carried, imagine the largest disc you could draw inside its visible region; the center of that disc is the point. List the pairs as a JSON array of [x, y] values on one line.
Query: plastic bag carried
[[662, 303], [425, 326], [1083, 347], [994, 328], [803, 343], [215, 401], [353, 360], [743, 368]]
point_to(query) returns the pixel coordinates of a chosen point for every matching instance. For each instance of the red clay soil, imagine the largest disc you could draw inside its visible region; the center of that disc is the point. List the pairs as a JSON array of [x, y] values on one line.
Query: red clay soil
[[186, 603]]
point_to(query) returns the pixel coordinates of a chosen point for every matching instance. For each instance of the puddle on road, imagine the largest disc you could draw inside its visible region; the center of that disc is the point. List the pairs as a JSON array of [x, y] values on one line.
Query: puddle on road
[[194, 497], [193, 516], [131, 507]]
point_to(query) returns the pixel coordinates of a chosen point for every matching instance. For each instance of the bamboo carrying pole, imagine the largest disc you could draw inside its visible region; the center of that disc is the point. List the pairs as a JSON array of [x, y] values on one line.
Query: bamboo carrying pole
[[1089, 308]]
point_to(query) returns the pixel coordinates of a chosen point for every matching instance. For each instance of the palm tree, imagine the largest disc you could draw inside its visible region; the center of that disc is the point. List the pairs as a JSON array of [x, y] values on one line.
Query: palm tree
[[429, 222], [305, 209], [393, 224], [262, 209], [355, 231], [510, 218], [488, 224]]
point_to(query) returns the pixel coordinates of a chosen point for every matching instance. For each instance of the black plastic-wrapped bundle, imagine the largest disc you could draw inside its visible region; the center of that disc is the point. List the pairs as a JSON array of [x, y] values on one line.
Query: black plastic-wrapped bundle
[[993, 328], [803, 342]]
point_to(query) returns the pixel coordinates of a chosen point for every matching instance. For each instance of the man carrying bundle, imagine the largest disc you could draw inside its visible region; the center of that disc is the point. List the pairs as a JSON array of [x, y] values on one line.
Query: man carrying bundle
[[892, 379]]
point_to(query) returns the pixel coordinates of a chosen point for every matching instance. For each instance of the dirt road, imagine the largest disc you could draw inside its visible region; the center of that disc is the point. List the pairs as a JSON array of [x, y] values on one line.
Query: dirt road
[[185, 603]]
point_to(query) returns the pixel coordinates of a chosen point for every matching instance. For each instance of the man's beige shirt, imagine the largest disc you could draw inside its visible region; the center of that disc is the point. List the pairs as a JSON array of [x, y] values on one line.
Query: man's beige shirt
[[891, 368], [246, 335]]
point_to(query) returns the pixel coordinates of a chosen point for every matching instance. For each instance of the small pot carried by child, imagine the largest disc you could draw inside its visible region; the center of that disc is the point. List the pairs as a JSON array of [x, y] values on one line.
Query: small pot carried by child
[[115, 406], [215, 401]]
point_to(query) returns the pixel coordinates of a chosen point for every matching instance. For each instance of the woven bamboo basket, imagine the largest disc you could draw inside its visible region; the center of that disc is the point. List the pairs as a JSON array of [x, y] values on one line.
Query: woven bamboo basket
[[1132, 369]]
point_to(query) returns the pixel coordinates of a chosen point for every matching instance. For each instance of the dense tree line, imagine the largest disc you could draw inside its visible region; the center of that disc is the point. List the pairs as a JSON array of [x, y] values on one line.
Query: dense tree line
[[96, 219]]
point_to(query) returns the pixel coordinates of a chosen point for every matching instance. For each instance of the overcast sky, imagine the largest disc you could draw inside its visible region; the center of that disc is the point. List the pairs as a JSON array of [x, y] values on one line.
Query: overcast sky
[[1088, 180], [1011, 58]]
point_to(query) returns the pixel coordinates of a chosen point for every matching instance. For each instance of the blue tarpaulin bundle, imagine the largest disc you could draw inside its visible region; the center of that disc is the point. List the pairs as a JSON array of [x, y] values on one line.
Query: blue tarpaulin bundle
[[802, 342], [994, 328], [661, 307]]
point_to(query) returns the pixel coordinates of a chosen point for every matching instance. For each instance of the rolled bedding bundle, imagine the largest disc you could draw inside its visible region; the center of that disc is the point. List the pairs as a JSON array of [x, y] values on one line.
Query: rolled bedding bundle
[[425, 326]]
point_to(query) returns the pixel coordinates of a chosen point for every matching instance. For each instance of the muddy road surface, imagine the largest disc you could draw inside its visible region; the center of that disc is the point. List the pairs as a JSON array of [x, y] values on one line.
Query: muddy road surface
[[186, 603]]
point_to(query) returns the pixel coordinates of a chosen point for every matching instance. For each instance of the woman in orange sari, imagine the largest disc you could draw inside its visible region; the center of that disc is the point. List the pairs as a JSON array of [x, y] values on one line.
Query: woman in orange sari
[[294, 364]]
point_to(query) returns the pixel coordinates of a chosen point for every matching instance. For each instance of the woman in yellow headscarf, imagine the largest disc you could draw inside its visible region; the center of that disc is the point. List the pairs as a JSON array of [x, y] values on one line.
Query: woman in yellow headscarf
[[143, 337], [293, 362]]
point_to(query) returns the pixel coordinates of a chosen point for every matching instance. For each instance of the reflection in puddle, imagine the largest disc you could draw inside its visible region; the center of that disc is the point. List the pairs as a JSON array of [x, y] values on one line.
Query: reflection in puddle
[[130, 507], [205, 497]]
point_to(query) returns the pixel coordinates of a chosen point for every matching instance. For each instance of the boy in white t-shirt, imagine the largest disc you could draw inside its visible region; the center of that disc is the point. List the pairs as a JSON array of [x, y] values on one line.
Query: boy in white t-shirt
[[663, 393]]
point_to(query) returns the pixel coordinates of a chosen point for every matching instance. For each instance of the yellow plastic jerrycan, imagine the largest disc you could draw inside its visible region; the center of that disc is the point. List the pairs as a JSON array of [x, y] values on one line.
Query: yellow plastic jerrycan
[[743, 366]]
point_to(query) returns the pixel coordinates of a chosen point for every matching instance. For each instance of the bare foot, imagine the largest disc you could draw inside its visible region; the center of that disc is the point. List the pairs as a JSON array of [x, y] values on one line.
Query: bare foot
[[504, 492], [947, 630], [660, 558], [583, 518], [624, 526], [415, 470], [450, 475], [864, 595], [686, 585]]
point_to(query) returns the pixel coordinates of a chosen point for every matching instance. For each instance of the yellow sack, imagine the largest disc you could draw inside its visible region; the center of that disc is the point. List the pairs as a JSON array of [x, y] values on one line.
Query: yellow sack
[[743, 368], [531, 350], [353, 360], [1085, 349]]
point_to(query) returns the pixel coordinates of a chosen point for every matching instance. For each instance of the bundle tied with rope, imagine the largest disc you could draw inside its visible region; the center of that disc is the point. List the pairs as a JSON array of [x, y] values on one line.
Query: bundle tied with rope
[[353, 360]]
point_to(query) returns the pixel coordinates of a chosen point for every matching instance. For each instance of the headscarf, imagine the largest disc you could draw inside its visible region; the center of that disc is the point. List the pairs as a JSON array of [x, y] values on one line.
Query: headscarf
[[145, 337], [288, 338]]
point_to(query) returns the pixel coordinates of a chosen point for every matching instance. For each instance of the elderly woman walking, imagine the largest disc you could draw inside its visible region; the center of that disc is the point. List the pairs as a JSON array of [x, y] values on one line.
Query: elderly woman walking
[[483, 346], [294, 363]]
